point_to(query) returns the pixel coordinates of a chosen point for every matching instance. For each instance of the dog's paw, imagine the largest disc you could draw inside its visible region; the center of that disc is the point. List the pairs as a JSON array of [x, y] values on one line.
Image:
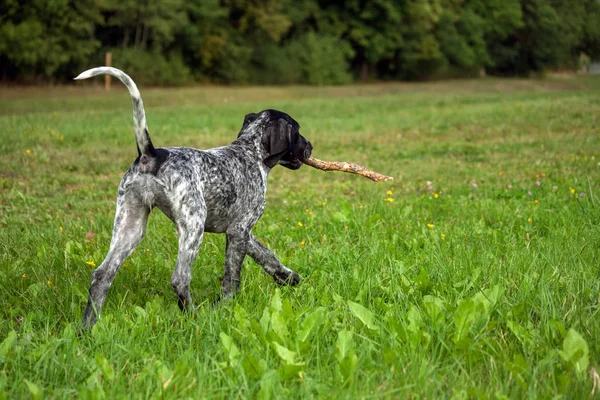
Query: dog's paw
[[287, 278]]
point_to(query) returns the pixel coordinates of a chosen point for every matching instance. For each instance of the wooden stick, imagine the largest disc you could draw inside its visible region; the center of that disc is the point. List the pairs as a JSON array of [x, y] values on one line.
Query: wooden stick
[[346, 167]]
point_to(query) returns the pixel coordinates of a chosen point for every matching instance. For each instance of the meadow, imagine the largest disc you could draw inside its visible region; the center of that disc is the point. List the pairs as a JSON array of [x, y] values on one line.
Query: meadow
[[474, 274]]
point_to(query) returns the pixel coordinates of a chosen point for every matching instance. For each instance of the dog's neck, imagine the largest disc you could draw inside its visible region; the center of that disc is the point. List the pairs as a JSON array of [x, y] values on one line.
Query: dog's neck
[[251, 144]]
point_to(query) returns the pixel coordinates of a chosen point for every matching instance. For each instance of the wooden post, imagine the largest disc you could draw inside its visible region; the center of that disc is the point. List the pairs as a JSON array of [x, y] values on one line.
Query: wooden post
[[107, 77]]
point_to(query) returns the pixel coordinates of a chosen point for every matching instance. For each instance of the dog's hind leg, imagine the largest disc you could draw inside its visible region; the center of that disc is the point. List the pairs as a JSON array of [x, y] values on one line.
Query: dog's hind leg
[[128, 231], [271, 264], [190, 219]]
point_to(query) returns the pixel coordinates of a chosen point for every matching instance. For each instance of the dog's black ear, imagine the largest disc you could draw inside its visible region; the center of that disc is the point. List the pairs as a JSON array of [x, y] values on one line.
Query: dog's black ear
[[277, 139], [248, 119]]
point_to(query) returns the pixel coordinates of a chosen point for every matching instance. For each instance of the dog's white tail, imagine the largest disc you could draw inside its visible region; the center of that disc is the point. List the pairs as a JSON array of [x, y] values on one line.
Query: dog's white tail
[[142, 138]]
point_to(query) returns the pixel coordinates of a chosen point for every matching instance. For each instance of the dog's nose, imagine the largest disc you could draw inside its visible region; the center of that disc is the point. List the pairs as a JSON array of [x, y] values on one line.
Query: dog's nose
[[308, 150]]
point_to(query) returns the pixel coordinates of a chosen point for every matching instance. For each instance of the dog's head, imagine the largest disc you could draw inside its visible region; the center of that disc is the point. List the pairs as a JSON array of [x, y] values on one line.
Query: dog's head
[[280, 138]]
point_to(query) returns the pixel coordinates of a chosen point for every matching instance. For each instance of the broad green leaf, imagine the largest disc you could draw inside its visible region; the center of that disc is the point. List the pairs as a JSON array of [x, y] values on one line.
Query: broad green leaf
[[140, 312], [268, 385], [362, 313], [575, 351], [414, 318], [285, 354], [558, 326], [91, 393], [311, 324], [104, 366], [339, 217], [348, 365], [422, 280], [344, 344], [288, 371], [258, 330], [230, 348], [264, 320], [518, 368], [94, 379], [8, 343], [494, 294], [521, 333], [286, 309], [276, 301], [34, 289], [165, 376], [434, 307], [241, 316], [463, 318], [396, 328], [501, 396], [253, 367], [279, 326], [36, 392], [488, 299]]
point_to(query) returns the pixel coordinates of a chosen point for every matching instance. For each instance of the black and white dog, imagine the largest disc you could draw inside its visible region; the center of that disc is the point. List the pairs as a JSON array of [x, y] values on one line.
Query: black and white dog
[[220, 190]]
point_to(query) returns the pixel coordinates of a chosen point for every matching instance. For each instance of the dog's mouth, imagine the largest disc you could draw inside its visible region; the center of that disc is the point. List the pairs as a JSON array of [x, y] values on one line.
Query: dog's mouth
[[294, 159]]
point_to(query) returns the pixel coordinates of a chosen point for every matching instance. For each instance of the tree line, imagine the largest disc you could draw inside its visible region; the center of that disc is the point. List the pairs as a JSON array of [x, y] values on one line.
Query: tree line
[[172, 42]]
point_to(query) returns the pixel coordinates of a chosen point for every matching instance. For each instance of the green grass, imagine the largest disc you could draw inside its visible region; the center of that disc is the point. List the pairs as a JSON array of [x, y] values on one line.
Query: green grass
[[478, 284]]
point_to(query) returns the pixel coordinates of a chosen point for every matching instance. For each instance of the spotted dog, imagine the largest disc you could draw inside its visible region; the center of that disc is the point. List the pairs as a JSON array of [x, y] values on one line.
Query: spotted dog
[[220, 190]]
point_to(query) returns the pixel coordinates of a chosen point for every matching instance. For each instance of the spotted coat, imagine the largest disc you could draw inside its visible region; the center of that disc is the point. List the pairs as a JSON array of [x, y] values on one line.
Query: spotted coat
[[221, 190]]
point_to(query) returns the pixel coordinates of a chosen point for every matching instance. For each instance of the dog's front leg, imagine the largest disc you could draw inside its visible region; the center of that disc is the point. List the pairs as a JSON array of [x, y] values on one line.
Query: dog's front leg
[[235, 251]]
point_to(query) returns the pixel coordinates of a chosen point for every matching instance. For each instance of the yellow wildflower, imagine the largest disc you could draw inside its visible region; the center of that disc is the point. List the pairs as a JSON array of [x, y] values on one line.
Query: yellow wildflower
[[389, 193], [302, 243], [500, 173], [300, 224], [529, 220], [443, 236], [435, 195], [430, 226], [310, 213], [572, 191], [346, 227], [324, 204], [535, 202], [24, 276], [28, 151], [60, 229], [49, 283], [91, 263]]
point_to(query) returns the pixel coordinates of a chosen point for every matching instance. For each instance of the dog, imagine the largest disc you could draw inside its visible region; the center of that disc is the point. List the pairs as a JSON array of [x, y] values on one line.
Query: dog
[[220, 190]]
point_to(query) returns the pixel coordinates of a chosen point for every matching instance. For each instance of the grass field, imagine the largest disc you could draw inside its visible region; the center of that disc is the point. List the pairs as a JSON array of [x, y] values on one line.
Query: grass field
[[475, 274]]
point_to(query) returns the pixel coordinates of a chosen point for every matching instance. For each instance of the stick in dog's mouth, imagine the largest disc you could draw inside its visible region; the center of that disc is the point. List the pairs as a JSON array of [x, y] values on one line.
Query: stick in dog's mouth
[[346, 167]]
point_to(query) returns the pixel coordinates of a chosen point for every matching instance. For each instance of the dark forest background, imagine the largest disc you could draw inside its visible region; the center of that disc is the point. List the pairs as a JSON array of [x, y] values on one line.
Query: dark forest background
[[174, 42]]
